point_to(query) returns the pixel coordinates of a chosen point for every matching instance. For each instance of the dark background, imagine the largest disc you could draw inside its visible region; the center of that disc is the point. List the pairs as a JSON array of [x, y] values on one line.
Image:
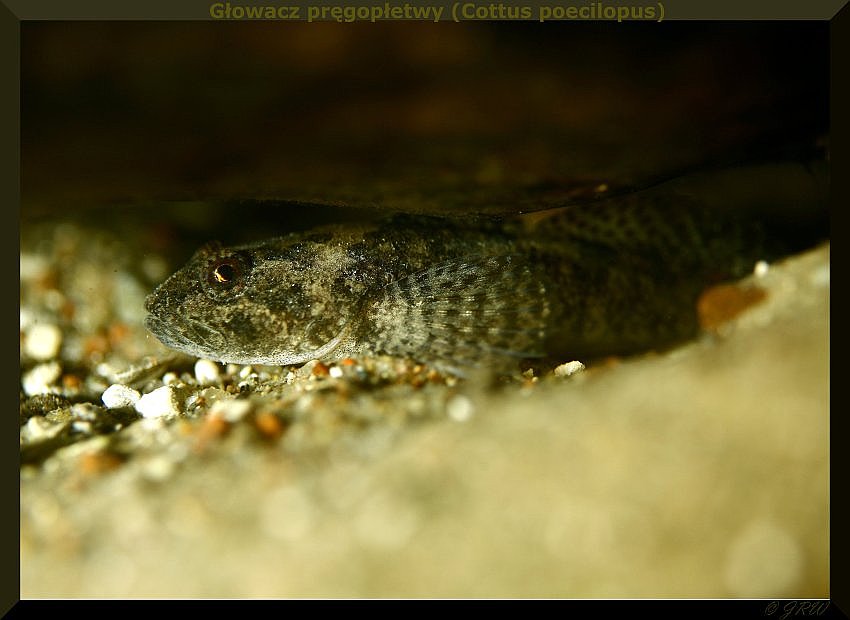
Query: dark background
[[196, 126]]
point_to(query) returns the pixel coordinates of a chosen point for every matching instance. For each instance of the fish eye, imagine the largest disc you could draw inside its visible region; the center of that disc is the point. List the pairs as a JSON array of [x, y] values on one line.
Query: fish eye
[[224, 274]]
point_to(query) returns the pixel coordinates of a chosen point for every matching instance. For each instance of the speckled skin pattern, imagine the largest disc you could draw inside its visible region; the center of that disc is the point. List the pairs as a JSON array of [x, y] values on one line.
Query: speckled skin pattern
[[612, 277]]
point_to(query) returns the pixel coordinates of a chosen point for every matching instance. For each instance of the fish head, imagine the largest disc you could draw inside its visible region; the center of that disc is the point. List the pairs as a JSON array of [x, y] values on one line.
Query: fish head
[[247, 305]]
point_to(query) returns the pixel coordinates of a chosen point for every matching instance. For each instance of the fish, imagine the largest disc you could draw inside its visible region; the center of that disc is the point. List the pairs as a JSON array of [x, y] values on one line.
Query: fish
[[610, 277]]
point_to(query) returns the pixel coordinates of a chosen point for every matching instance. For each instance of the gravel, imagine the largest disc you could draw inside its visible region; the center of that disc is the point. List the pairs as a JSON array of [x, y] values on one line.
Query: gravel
[[162, 402], [117, 395]]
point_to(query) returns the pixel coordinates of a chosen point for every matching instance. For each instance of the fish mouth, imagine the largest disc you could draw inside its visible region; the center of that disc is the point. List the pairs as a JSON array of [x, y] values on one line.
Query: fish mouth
[[166, 334], [189, 335]]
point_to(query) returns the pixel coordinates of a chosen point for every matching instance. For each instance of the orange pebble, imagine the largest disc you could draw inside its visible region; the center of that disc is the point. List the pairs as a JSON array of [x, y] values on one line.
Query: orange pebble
[[213, 427], [269, 424], [95, 463], [71, 382], [720, 304]]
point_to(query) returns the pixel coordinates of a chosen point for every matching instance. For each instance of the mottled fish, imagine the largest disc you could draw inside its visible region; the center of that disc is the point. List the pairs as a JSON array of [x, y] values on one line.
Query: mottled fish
[[614, 276]]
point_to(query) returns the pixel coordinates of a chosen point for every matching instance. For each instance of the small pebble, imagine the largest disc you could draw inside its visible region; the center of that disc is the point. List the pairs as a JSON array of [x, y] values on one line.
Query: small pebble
[[39, 379], [118, 395], [269, 424], [570, 368], [86, 411], [214, 426], [206, 372], [43, 341], [81, 426], [307, 369], [231, 410], [170, 378], [39, 428], [761, 269], [94, 463], [722, 303], [161, 402], [335, 372], [460, 408], [71, 382]]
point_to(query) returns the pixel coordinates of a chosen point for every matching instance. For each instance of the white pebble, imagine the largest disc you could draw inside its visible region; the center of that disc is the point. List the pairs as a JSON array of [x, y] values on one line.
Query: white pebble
[[761, 269], [206, 372], [231, 410], [570, 368], [170, 378], [245, 372], [161, 402], [81, 426], [118, 395], [38, 428], [335, 372], [43, 341], [39, 379], [460, 408]]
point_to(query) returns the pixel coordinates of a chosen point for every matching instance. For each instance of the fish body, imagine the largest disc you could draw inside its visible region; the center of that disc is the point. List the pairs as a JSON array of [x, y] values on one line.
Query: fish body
[[611, 277]]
